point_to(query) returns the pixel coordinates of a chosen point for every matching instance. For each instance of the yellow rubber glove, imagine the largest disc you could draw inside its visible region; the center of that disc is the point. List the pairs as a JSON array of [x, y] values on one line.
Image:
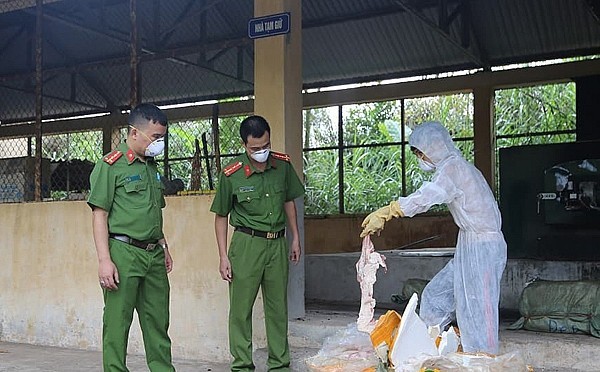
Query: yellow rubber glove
[[375, 221]]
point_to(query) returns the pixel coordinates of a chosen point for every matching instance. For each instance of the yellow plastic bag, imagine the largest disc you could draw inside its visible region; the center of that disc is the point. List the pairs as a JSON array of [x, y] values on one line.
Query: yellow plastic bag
[[386, 329]]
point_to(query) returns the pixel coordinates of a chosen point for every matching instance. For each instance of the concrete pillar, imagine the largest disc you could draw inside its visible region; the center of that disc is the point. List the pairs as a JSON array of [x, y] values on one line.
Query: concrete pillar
[[485, 133], [278, 98]]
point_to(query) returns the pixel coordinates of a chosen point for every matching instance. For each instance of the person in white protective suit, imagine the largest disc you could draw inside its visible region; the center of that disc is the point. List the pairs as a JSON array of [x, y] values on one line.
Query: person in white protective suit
[[469, 284]]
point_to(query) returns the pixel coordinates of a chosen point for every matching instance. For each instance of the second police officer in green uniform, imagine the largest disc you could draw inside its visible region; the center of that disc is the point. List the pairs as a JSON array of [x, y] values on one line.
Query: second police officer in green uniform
[[133, 258], [257, 191]]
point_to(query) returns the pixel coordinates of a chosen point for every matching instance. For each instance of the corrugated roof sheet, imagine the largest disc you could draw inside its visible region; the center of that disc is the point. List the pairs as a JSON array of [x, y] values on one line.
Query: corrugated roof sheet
[[194, 50]]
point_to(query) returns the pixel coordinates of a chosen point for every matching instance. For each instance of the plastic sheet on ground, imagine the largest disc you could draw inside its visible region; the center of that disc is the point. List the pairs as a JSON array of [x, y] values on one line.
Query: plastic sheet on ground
[[465, 362], [347, 350]]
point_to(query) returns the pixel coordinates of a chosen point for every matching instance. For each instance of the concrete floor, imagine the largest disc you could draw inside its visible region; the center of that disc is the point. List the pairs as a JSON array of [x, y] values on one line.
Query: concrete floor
[[32, 358], [544, 351]]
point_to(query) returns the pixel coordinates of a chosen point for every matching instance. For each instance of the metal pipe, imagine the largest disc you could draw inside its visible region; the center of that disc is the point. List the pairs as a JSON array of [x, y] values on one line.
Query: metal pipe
[[134, 98], [412, 244], [215, 132], [341, 159], [38, 101]]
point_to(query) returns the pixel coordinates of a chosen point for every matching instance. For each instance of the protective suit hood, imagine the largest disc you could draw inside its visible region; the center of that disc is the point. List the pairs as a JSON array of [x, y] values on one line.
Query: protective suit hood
[[433, 140]]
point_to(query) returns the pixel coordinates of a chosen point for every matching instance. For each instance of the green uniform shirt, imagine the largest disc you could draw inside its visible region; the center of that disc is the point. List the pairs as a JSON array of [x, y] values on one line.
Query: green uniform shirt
[[255, 199], [131, 191]]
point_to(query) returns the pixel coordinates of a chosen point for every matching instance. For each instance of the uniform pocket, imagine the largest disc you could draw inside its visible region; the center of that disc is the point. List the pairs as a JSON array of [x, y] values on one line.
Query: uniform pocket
[[250, 204], [136, 194], [279, 194], [247, 197]]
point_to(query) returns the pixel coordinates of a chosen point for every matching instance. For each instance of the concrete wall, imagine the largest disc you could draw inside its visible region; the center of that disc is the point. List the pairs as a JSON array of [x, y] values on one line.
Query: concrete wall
[[331, 278], [337, 234], [50, 293]]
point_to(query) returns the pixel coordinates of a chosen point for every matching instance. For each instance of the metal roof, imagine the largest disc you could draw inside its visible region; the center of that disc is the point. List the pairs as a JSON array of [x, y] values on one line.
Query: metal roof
[[197, 50]]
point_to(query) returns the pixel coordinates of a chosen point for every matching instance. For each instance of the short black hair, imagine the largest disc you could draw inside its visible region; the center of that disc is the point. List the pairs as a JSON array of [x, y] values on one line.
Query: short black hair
[[145, 112], [254, 126]]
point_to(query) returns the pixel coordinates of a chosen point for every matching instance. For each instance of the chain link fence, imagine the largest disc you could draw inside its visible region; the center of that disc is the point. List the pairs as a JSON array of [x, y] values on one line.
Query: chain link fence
[[62, 109], [191, 163]]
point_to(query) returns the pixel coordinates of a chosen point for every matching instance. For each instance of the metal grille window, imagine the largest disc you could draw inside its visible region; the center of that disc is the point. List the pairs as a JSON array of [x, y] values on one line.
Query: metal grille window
[[367, 145], [230, 143], [72, 157], [190, 160], [67, 161], [535, 115], [16, 170], [188, 166]]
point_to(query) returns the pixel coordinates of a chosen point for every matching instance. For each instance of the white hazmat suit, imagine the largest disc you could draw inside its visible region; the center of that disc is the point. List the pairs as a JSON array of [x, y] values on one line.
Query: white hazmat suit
[[469, 284]]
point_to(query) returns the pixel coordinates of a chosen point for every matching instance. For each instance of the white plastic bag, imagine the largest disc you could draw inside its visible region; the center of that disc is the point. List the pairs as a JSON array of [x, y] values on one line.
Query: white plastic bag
[[348, 350]]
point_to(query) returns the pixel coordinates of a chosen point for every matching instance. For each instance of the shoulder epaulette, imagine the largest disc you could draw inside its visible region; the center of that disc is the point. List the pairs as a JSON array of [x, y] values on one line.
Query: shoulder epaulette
[[281, 156], [111, 158], [232, 168]]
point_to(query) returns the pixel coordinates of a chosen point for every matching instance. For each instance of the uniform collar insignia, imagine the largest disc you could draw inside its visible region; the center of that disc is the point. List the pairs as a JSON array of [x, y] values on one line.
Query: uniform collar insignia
[[130, 156], [248, 170]]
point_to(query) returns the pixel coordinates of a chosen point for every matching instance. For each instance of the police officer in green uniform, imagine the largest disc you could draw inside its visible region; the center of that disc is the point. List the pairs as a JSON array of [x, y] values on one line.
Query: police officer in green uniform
[[133, 257], [257, 191]]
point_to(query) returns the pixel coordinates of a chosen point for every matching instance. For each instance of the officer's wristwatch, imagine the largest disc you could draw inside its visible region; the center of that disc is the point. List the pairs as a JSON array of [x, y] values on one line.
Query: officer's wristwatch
[[164, 245]]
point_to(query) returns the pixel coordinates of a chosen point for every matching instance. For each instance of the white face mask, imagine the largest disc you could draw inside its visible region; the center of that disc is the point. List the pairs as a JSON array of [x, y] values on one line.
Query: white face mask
[[155, 148], [260, 156], [426, 166]]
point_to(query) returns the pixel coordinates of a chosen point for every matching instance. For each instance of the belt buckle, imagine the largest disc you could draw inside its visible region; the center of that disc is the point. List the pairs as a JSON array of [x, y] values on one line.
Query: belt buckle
[[151, 246], [271, 235]]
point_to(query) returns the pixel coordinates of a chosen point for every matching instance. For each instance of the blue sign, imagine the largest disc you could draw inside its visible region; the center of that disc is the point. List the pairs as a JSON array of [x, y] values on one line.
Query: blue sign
[[276, 24]]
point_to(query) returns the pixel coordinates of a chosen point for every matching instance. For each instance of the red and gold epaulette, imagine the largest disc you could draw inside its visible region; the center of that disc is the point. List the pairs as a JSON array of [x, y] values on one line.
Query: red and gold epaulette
[[111, 158], [281, 156], [232, 168]]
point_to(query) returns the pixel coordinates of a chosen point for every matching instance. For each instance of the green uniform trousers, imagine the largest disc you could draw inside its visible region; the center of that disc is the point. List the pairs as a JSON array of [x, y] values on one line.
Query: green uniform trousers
[[143, 286], [258, 262]]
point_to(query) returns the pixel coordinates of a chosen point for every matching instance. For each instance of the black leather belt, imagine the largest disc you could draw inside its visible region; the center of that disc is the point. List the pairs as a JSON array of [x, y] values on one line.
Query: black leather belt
[[146, 245], [261, 234]]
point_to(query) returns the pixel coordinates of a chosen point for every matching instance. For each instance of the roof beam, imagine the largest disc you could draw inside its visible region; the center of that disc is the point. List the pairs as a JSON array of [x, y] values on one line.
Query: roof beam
[[117, 119], [12, 5], [90, 80], [184, 17], [594, 7], [46, 95], [477, 59], [120, 38], [166, 35], [563, 72], [11, 39], [124, 60], [468, 33], [496, 79], [156, 17]]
